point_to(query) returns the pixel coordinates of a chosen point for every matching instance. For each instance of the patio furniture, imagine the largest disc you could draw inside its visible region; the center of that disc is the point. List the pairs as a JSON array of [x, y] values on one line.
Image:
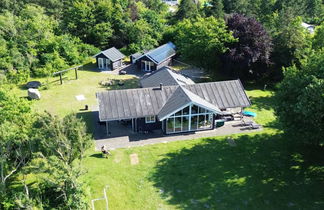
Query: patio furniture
[[255, 126], [249, 114], [228, 117], [219, 123], [247, 123]]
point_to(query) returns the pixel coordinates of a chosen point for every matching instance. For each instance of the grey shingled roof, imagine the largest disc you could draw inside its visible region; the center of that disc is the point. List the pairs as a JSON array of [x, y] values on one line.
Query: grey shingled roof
[[165, 76], [161, 53], [181, 98], [112, 53], [141, 102], [136, 55]]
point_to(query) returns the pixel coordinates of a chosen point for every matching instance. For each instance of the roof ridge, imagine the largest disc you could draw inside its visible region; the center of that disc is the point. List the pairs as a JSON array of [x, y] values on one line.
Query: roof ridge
[[185, 86]]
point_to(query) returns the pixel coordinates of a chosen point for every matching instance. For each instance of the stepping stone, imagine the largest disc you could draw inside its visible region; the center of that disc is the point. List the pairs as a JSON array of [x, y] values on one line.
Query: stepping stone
[[80, 97], [134, 159]]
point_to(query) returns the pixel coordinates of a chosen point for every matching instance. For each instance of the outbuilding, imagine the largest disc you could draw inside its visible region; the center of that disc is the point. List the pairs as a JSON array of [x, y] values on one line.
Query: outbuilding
[[109, 59], [156, 58]]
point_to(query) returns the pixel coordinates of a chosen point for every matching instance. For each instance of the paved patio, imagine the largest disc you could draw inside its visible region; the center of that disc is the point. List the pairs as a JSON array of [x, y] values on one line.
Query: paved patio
[[122, 136]]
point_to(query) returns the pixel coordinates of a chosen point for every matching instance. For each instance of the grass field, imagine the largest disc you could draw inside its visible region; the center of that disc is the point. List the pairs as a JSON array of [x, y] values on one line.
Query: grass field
[[262, 172], [60, 99]]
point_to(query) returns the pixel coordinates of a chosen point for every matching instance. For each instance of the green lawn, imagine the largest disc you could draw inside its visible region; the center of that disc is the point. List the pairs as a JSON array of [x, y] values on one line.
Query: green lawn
[[60, 99], [262, 172]]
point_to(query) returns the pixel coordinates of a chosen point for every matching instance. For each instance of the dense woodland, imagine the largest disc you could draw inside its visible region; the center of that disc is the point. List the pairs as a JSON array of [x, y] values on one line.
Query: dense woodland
[[38, 37], [258, 41]]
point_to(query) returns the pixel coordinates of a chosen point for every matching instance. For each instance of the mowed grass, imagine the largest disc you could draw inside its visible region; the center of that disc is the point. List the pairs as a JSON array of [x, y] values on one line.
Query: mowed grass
[[261, 172], [60, 99]]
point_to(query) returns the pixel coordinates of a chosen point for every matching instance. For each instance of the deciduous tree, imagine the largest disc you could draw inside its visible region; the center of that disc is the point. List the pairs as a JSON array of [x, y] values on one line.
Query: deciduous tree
[[251, 54], [201, 41], [300, 100], [187, 9]]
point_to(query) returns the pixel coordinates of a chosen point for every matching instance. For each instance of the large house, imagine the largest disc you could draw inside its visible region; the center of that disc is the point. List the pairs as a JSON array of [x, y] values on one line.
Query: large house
[[154, 59], [109, 59], [173, 108]]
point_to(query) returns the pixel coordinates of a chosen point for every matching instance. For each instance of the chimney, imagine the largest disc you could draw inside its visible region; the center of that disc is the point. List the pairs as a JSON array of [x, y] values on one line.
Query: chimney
[[161, 86]]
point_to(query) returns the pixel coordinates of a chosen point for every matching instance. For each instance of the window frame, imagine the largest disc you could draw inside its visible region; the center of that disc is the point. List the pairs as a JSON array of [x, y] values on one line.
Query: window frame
[[150, 119]]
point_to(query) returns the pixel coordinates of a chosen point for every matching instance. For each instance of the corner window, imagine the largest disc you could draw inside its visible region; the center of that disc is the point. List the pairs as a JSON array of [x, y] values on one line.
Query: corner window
[[150, 119]]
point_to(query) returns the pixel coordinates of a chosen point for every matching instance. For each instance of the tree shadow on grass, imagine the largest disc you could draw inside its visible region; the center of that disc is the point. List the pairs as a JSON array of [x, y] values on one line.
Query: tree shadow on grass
[[263, 102], [261, 172], [89, 119], [97, 155]]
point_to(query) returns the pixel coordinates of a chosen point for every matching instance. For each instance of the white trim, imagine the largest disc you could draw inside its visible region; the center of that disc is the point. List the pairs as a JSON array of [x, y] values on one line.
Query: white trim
[[208, 117], [197, 104], [150, 120], [188, 104]]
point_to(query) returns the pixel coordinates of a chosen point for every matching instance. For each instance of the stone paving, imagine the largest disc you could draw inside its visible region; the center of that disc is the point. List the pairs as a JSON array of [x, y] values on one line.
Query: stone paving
[[121, 136]]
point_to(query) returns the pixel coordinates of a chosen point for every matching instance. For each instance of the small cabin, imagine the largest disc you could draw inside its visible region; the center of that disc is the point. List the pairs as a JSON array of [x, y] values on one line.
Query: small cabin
[[154, 59], [109, 59]]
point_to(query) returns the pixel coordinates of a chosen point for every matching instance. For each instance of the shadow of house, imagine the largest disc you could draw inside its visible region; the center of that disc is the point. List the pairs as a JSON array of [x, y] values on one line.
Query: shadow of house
[[261, 172]]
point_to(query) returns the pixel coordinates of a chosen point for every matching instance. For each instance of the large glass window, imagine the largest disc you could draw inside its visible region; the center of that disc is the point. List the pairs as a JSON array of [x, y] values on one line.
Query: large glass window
[[191, 118], [170, 125], [194, 123], [177, 124], [194, 109], [185, 123], [186, 110]]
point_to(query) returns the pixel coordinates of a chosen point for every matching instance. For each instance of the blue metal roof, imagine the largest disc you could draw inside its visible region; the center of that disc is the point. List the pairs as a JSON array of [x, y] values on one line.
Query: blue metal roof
[[161, 53]]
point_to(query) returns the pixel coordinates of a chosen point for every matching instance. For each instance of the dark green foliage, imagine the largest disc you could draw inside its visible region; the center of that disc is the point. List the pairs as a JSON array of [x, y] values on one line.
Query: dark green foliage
[[214, 8], [300, 99], [290, 40], [318, 39], [15, 140], [187, 9], [201, 41], [65, 138], [90, 21], [31, 47], [44, 146]]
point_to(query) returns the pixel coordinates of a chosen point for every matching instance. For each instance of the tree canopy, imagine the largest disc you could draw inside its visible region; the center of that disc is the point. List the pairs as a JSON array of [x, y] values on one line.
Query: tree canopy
[[187, 9], [300, 99], [46, 146], [251, 54], [202, 41]]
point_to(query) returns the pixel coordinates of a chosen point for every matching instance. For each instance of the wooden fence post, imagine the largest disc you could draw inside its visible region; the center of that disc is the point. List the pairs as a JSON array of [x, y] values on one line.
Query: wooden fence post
[[76, 73], [61, 79]]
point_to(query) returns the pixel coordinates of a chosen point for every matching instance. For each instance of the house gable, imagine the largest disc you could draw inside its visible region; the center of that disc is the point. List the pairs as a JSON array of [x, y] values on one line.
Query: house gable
[[141, 102]]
